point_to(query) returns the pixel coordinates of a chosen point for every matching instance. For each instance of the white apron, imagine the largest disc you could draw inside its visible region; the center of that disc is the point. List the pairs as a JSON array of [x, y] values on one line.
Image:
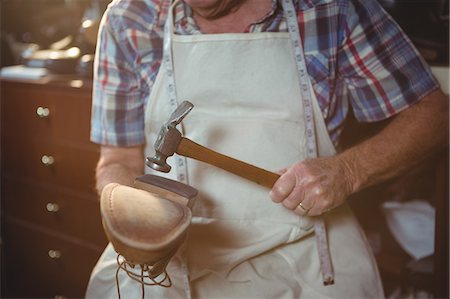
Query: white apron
[[247, 104]]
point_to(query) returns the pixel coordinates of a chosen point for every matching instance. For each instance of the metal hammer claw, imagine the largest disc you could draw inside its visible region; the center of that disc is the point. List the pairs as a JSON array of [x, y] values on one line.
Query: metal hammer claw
[[171, 141]]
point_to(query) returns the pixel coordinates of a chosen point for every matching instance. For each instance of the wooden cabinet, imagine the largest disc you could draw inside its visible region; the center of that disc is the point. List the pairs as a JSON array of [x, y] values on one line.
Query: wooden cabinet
[[51, 226]]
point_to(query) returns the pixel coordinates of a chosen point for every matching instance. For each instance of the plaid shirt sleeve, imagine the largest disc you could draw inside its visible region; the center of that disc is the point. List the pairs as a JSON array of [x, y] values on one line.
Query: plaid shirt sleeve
[[127, 59], [382, 73]]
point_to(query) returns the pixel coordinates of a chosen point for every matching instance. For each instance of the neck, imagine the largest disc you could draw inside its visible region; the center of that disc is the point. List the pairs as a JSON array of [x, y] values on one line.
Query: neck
[[236, 20]]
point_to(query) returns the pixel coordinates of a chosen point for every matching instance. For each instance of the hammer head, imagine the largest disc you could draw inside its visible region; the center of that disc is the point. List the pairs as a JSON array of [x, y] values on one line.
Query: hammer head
[[168, 139]]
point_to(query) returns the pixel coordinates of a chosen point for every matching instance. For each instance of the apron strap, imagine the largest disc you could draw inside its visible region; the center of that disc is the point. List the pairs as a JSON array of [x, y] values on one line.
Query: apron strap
[[167, 63], [180, 161]]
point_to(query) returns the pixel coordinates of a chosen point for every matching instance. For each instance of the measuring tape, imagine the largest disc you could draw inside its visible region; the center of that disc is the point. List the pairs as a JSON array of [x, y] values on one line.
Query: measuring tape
[[180, 161], [311, 145]]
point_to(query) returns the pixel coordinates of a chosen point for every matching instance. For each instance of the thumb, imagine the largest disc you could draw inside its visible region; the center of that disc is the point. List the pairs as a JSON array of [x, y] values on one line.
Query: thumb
[[282, 187]]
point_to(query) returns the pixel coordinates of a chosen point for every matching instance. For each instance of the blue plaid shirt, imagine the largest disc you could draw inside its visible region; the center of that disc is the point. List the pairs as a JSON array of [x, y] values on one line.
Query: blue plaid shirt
[[357, 58]]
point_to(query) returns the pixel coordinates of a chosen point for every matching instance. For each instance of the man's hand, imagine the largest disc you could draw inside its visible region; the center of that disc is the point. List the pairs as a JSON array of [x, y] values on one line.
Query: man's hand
[[318, 184], [409, 139]]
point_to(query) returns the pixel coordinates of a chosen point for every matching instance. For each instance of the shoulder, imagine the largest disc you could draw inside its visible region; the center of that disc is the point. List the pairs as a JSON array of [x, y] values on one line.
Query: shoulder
[[136, 14], [342, 5], [367, 8]]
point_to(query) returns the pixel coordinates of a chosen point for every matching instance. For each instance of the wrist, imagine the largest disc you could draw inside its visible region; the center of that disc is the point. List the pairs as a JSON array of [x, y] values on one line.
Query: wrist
[[352, 171]]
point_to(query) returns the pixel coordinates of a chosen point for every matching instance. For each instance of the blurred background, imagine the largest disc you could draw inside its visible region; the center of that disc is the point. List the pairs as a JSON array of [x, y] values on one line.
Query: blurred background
[[31, 30], [426, 23]]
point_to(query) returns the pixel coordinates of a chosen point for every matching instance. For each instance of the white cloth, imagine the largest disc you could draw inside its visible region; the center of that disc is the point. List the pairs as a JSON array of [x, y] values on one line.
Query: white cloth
[[412, 225], [241, 244]]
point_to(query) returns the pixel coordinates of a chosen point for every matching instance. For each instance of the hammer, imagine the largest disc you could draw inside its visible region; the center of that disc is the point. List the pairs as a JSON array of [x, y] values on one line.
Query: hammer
[[171, 141]]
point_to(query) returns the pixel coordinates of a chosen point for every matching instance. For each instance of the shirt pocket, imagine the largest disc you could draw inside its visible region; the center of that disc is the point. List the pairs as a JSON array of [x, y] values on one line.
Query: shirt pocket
[[321, 73]]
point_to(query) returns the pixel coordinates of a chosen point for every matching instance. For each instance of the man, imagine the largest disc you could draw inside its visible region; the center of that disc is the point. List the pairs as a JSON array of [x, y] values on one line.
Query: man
[[234, 60]]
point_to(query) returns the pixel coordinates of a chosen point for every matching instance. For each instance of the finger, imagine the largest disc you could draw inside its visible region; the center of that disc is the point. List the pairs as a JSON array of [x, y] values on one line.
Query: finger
[[283, 187], [294, 198], [313, 203], [282, 171], [316, 195], [303, 209], [317, 211]]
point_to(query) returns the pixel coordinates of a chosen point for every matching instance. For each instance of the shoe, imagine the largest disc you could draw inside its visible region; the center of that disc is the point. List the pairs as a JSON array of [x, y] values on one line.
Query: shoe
[[145, 228]]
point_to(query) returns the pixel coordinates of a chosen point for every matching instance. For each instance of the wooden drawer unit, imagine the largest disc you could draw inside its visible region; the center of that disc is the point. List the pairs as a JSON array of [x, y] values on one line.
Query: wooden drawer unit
[[44, 265], [50, 162], [57, 209], [51, 225], [42, 113]]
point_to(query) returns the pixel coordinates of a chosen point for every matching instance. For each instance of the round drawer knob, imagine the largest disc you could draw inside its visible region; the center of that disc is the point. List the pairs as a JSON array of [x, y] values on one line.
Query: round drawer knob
[[52, 207], [54, 254], [43, 112], [47, 160]]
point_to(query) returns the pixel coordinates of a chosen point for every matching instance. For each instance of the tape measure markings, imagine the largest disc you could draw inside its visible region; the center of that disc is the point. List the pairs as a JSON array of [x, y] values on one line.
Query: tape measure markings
[[180, 161]]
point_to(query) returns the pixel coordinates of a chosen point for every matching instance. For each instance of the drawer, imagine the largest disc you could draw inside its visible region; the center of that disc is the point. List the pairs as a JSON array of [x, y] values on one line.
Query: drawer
[[58, 210], [50, 163], [37, 264], [46, 113]]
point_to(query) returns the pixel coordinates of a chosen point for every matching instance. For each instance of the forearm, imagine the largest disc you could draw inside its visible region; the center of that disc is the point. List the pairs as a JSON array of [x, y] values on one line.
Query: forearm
[[407, 140], [116, 173], [119, 165]]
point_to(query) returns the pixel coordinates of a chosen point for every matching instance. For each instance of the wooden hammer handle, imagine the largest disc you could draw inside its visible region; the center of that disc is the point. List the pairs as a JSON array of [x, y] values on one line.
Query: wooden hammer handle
[[189, 148]]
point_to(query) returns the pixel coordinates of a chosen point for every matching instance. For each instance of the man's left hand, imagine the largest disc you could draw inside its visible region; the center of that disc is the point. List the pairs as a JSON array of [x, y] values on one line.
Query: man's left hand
[[313, 187]]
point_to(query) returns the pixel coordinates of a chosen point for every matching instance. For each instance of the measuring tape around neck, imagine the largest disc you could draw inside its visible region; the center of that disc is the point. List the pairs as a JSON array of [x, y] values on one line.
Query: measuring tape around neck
[[167, 63], [180, 161], [310, 134]]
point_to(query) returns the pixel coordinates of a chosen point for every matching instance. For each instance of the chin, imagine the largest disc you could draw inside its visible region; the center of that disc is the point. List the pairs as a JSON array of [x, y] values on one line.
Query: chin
[[202, 3]]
